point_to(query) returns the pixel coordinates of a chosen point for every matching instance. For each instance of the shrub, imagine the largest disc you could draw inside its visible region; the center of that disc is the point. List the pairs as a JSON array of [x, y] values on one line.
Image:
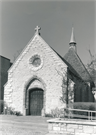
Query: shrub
[[83, 106], [56, 113], [2, 105], [18, 113], [11, 111], [48, 115]]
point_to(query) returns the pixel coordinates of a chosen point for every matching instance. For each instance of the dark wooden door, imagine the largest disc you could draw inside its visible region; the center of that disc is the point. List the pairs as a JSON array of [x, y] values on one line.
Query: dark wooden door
[[35, 101]]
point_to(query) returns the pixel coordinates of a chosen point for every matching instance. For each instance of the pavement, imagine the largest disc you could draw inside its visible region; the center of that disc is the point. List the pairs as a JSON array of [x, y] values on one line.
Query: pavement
[[23, 125]]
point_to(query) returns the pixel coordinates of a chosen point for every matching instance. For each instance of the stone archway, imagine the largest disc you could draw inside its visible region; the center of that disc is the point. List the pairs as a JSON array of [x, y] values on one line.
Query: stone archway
[[30, 85]]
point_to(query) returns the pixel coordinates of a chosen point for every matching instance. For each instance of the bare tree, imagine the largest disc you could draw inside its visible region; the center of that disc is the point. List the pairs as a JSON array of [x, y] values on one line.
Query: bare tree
[[91, 66], [67, 90], [16, 54]]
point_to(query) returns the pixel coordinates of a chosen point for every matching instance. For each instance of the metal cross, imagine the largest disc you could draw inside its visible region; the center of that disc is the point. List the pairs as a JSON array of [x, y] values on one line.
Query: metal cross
[[37, 29]]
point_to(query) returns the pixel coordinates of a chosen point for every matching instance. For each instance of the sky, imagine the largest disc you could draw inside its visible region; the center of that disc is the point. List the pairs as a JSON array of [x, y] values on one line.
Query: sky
[[18, 20]]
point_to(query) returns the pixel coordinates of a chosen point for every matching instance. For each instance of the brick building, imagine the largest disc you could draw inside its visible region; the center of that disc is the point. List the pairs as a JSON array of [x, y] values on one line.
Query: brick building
[[4, 66], [34, 85]]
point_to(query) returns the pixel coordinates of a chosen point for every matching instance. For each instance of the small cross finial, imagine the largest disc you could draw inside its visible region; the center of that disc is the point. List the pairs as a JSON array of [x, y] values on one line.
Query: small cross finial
[[37, 29]]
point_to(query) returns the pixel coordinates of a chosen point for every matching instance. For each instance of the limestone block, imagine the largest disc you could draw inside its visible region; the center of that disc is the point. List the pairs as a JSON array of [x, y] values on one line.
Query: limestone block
[[68, 133], [8, 95], [6, 98], [95, 130], [63, 125], [61, 132], [72, 126], [55, 124], [50, 127], [71, 130], [80, 127], [7, 92], [53, 132], [83, 134], [78, 131], [75, 126], [88, 129], [10, 101], [64, 129], [56, 128]]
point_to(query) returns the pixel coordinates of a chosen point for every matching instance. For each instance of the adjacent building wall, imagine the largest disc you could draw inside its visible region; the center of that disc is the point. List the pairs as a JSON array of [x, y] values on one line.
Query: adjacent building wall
[[4, 66]]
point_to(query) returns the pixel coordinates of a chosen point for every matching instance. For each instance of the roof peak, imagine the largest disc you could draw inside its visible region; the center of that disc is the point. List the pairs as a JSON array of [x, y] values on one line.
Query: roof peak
[[72, 40]]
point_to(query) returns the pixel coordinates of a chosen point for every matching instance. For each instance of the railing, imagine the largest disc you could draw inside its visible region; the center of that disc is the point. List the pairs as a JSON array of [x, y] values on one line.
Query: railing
[[89, 116]]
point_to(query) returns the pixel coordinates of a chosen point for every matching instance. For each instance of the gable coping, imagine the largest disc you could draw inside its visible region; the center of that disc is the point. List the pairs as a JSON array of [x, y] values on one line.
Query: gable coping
[[26, 49]]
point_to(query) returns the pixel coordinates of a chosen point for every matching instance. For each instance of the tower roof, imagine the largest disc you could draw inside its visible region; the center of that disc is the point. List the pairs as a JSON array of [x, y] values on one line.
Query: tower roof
[[72, 40]]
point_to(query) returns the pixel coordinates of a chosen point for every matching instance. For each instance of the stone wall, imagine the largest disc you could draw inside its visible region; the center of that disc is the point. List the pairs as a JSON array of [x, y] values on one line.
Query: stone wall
[[22, 72], [73, 127]]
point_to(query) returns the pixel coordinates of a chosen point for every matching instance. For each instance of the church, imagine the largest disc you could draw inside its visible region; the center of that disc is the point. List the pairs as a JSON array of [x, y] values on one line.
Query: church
[[36, 78]]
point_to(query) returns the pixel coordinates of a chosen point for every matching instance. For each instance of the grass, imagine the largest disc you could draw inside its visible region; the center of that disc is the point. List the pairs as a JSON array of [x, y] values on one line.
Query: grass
[[23, 125]]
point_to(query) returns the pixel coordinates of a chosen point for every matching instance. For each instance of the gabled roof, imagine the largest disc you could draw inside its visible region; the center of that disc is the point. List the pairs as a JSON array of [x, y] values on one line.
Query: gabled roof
[[75, 65], [68, 64], [47, 47], [72, 58], [4, 57]]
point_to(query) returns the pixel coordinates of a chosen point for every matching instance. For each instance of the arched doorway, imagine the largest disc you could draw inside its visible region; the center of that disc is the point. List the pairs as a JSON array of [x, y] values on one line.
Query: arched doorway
[[35, 101]]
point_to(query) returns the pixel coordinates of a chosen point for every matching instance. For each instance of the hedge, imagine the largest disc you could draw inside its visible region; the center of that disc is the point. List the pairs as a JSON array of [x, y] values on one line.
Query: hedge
[[83, 106]]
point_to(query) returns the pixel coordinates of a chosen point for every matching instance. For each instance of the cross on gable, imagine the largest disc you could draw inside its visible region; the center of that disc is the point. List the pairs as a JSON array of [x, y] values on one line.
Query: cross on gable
[[37, 29]]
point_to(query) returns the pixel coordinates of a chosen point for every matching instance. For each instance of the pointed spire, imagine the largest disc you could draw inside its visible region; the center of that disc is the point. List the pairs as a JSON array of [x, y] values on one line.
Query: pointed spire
[[72, 40]]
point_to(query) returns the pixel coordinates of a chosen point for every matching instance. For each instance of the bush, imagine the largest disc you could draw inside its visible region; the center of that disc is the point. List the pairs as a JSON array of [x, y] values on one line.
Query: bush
[[8, 110], [18, 113], [83, 106], [48, 115], [11, 111], [2, 105], [56, 113]]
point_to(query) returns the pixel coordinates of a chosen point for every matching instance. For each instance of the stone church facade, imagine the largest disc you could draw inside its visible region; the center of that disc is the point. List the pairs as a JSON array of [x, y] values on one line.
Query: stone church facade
[[35, 70], [34, 85]]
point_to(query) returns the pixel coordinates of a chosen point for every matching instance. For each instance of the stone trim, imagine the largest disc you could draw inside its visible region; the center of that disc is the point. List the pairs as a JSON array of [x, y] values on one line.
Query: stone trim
[[39, 39], [26, 94], [31, 67], [72, 127]]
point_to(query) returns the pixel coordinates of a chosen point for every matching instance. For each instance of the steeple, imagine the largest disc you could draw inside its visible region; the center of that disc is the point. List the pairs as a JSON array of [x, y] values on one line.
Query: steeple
[[72, 40]]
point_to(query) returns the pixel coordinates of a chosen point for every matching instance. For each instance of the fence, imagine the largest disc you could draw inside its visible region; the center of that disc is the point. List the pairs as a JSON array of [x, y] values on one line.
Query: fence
[[91, 115]]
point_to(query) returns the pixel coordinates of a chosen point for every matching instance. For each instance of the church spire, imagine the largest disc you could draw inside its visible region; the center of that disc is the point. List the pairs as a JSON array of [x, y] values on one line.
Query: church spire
[[72, 40]]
